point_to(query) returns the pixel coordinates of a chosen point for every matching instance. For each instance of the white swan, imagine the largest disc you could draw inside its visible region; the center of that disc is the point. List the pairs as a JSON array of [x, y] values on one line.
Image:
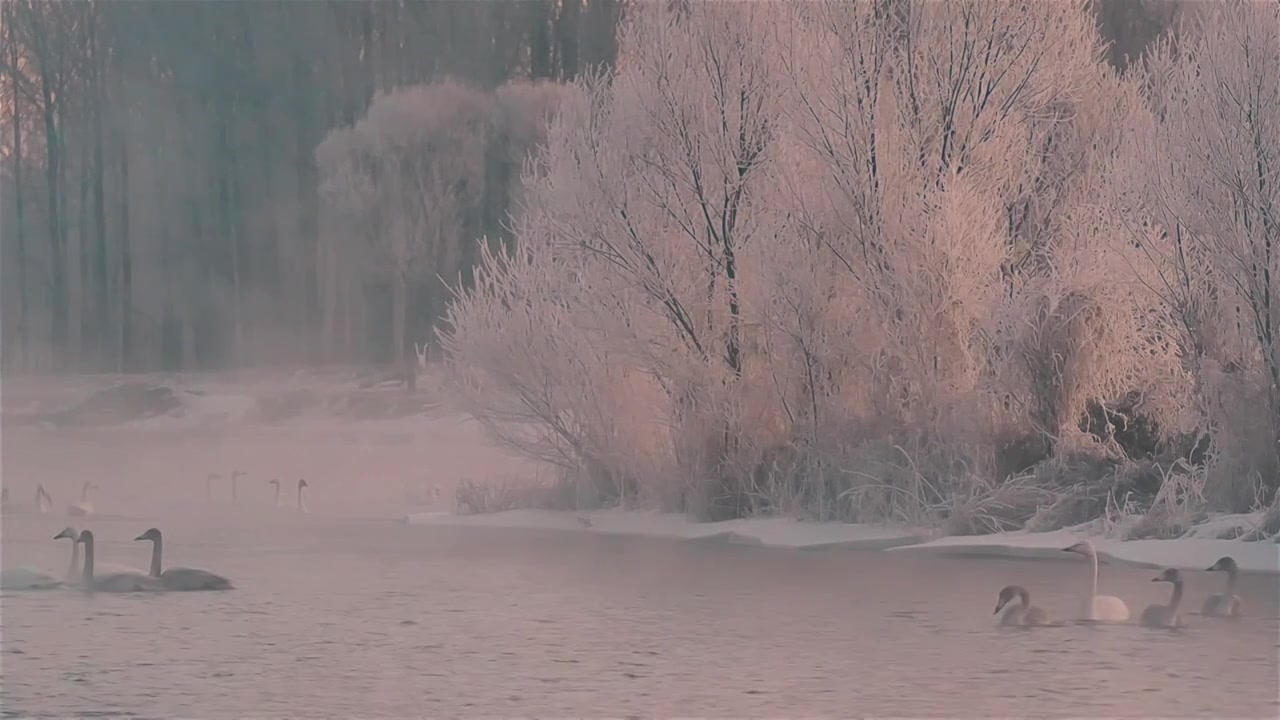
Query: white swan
[[1095, 607], [276, 500], [84, 508], [1166, 615], [302, 504], [1226, 603], [113, 582], [180, 578], [73, 571], [1021, 612]]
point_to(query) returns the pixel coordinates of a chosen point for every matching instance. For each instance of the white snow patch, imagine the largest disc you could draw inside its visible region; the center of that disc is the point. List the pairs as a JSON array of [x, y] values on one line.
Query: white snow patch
[[1187, 553], [769, 532]]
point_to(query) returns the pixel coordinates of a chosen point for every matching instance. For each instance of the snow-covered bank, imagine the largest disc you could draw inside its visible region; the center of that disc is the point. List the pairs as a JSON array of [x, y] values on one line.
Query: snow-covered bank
[[1188, 553], [770, 532]]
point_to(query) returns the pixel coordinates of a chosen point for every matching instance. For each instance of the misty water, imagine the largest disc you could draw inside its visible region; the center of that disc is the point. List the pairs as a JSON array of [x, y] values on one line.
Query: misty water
[[371, 618]]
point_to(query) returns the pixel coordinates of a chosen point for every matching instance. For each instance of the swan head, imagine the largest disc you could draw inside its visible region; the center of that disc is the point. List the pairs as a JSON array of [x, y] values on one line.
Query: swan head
[[274, 482], [1007, 595], [69, 533], [1224, 563], [212, 476], [86, 537], [302, 484], [1083, 547], [237, 473], [1171, 575], [150, 534]]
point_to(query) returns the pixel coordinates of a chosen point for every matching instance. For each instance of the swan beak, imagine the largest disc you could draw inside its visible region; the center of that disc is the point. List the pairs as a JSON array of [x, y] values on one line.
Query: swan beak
[[140, 537], [996, 611]]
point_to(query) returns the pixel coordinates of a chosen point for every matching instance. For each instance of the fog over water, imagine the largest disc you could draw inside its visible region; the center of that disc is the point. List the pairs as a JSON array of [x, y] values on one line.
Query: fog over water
[[345, 611]]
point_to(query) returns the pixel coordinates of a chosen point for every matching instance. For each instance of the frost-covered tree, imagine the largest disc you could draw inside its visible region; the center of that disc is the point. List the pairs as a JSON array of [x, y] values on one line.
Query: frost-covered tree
[[1207, 169], [402, 181]]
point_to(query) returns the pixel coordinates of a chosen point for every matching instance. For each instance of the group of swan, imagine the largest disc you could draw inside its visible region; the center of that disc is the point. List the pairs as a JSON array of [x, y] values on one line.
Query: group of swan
[[236, 474], [116, 578], [1018, 610], [43, 503]]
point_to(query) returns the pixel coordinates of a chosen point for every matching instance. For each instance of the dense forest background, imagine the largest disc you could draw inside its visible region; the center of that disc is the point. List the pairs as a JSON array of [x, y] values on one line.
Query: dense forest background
[[160, 200]]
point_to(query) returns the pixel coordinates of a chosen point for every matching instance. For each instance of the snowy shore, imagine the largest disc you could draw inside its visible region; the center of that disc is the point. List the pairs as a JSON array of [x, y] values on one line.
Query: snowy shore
[[1195, 552]]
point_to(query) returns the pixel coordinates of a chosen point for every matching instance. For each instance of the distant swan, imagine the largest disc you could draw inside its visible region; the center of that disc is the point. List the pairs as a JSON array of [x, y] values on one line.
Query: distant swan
[[302, 504], [180, 578], [83, 508], [73, 571], [1224, 604], [1021, 612], [208, 485], [114, 582], [1095, 607], [235, 475], [275, 501], [1165, 615], [42, 504]]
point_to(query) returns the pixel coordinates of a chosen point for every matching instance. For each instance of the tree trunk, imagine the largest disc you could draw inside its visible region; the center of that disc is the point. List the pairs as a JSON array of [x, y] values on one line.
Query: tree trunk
[[101, 298], [84, 307], [126, 264], [399, 311], [20, 232], [57, 250]]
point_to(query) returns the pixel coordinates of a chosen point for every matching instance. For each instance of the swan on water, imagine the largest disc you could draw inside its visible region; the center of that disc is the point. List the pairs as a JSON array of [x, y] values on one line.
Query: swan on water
[[24, 578], [1226, 603], [302, 504], [116, 581], [42, 503], [180, 578], [1095, 607], [73, 571], [84, 508], [276, 500], [235, 475], [1021, 612], [1165, 615]]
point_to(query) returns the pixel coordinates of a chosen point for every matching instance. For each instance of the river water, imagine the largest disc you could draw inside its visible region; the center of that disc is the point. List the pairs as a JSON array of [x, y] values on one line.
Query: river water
[[370, 618]]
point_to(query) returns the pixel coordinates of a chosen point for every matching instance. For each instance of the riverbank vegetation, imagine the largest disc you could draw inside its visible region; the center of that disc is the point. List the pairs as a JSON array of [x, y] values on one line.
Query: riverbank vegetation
[[906, 261]]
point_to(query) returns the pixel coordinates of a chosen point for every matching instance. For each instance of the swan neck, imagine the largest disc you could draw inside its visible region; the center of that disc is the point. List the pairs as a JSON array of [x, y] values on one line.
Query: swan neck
[[156, 549], [1232, 576], [1093, 559], [1177, 595], [1025, 597], [75, 559], [88, 561]]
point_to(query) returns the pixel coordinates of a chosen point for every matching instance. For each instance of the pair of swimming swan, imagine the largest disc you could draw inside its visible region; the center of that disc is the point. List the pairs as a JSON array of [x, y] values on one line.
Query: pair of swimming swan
[[130, 580], [236, 474], [1111, 609], [43, 503]]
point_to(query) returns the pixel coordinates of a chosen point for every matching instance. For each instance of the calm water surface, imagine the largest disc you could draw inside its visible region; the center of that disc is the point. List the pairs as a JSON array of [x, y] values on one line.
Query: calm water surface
[[375, 619]]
